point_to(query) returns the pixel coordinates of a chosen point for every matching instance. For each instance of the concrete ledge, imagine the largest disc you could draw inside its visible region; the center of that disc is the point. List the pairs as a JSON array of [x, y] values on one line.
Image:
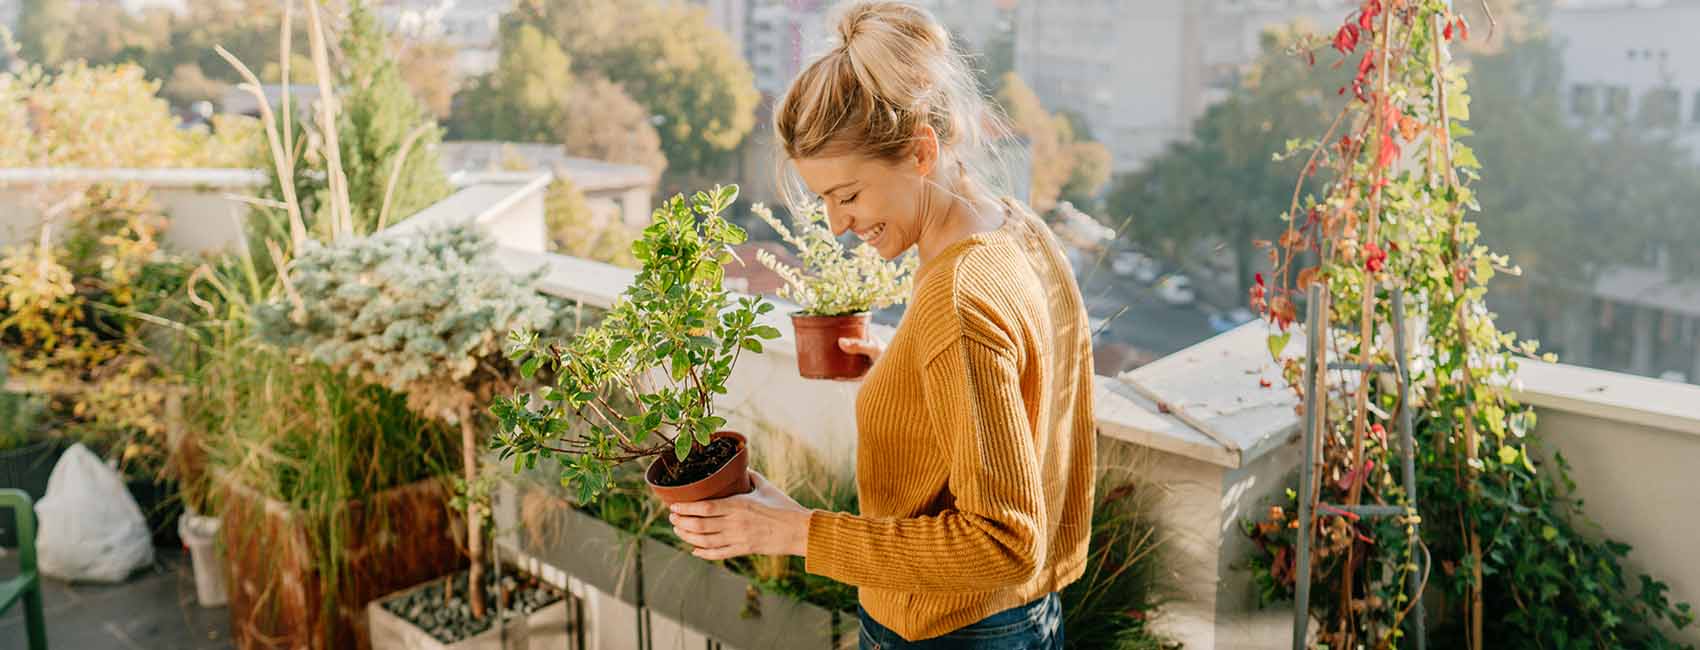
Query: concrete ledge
[[1609, 395], [163, 177], [1122, 413]]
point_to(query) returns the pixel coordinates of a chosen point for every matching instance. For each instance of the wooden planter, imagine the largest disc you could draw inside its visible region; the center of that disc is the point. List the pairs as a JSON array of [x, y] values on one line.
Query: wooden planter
[[544, 629], [396, 538], [700, 595]]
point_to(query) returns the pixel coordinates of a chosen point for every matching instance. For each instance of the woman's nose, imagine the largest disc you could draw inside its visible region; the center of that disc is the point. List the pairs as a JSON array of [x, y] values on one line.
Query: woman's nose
[[838, 221]]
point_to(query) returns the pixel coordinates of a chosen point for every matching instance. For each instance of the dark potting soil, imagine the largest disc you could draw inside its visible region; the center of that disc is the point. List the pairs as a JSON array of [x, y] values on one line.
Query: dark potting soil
[[702, 463], [451, 621]]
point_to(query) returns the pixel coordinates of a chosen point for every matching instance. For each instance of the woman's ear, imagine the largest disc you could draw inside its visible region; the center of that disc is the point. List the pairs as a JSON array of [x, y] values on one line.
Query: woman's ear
[[926, 151]]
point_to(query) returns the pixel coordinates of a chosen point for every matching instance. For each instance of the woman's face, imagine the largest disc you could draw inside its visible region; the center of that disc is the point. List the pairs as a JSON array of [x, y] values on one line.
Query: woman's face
[[880, 201]]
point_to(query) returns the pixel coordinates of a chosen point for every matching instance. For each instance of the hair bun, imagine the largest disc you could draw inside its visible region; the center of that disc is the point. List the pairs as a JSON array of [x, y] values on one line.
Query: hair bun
[[898, 26]]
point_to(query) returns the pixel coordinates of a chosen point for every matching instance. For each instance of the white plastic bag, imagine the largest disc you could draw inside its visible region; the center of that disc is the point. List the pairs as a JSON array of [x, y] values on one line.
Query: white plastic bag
[[90, 528]]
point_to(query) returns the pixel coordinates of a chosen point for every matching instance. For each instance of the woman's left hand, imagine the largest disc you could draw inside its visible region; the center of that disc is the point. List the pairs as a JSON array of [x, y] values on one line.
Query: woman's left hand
[[766, 521]]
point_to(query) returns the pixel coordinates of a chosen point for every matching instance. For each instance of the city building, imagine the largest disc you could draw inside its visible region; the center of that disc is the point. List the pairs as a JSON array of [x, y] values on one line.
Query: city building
[[1142, 73], [471, 27], [1634, 60]]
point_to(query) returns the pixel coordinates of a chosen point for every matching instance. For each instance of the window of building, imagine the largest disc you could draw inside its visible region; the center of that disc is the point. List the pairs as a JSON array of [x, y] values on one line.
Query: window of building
[[1661, 108], [1617, 101], [1584, 100]]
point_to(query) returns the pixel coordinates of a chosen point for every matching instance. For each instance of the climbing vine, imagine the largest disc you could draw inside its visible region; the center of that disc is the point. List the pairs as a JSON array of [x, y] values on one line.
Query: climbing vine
[[1498, 535]]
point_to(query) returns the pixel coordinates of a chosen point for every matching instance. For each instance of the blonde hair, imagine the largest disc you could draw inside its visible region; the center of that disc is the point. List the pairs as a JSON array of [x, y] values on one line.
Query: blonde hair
[[892, 69]]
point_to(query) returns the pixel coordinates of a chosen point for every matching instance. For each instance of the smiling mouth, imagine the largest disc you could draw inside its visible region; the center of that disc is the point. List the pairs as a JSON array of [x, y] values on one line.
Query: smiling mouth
[[871, 235]]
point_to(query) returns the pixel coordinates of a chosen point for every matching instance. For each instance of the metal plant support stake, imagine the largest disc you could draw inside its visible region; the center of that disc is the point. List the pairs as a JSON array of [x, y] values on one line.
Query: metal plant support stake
[[1315, 400]]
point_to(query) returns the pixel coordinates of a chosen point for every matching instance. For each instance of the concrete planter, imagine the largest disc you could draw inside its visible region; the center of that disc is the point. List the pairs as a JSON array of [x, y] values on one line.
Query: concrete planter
[[544, 628], [594, 552], [674, 595], [724, 606]]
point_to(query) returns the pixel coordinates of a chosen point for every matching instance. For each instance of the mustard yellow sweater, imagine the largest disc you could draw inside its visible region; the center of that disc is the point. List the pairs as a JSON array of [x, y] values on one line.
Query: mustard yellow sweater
[[974, 463]]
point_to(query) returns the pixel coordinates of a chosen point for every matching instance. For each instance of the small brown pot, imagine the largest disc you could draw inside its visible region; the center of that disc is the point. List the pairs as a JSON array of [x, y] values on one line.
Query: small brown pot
[[818, 354], [731, 479]]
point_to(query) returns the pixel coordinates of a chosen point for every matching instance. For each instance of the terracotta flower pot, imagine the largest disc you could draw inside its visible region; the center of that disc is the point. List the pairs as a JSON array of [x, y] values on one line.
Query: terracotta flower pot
[[818, 354], [731, 479]]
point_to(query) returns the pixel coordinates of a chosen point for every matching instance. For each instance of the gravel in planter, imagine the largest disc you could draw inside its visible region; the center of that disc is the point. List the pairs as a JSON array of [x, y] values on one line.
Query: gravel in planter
[[451, 621]]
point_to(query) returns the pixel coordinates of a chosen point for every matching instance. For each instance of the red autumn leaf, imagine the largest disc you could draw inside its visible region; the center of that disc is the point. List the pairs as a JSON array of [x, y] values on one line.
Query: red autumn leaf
[[1307, 276], [1283, 311], [1447, 33], [1463, 29], [1294, 240], [1258, 277], [1388, 152], [1367, 16], [1356, 476], [1409, 128], [1346, 39], [1374, 258], [1264, 383]]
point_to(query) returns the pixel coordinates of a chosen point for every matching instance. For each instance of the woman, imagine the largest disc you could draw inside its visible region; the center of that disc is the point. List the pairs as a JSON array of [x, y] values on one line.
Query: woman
[[975, 426]]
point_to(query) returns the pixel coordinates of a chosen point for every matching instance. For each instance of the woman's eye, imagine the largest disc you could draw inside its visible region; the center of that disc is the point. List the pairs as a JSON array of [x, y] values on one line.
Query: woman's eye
[[849, 199]]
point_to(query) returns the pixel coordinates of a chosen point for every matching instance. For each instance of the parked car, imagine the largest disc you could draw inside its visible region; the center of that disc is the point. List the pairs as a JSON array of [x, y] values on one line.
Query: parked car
[[1135, 264], [1224, 321], [1176, 290]]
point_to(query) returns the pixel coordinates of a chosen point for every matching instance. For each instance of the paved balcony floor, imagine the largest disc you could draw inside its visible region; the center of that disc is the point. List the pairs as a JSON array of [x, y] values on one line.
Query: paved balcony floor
[[154, 610]]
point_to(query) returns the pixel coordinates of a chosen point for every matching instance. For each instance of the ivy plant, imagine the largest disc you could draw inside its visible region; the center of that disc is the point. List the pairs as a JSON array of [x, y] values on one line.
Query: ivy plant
[[833, 282], [1496, 531], [642, 382]]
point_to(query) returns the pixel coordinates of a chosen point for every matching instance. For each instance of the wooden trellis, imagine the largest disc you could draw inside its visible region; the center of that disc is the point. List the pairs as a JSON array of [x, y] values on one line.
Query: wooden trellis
[[1315, 402]]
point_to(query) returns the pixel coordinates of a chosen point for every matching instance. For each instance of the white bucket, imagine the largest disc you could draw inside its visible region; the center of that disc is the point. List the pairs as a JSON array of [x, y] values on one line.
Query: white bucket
[[200, 535]]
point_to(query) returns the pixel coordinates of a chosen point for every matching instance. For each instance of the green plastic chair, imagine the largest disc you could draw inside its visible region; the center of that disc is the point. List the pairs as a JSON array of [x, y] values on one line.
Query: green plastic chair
[[27, 584]]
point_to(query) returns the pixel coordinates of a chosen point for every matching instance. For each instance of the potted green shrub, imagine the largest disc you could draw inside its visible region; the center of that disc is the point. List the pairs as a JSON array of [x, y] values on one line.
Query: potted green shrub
[[421, 314], [836, 292], [642, 383]]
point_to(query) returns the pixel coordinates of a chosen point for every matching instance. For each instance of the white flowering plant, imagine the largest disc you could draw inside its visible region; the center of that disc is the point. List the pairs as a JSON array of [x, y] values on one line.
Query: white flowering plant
[[831, 281]]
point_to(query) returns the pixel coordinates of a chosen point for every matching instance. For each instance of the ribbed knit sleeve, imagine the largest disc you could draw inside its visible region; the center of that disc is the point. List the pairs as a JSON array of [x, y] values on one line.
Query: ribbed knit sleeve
[[991, 537]]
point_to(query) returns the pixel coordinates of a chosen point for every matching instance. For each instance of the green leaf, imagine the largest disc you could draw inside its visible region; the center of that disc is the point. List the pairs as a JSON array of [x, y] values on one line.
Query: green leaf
[[708, 271], [1549, 533], [682, 446], [735, 235], [1464, 156], [713, 423], [1277, 343], [1507, 455], [681, 363], [752, 345], [765, 331], [529, 368]]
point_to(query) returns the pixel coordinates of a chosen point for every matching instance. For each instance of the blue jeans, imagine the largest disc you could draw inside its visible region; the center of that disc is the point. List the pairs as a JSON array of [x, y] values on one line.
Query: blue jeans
[[1034, 626]]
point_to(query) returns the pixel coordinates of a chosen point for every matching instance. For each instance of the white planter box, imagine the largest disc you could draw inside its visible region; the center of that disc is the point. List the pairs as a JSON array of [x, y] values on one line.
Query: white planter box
[[544, 629]]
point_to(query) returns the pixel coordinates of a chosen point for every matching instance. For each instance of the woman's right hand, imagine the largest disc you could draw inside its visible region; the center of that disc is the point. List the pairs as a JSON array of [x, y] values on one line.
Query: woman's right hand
[[869, 346]]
